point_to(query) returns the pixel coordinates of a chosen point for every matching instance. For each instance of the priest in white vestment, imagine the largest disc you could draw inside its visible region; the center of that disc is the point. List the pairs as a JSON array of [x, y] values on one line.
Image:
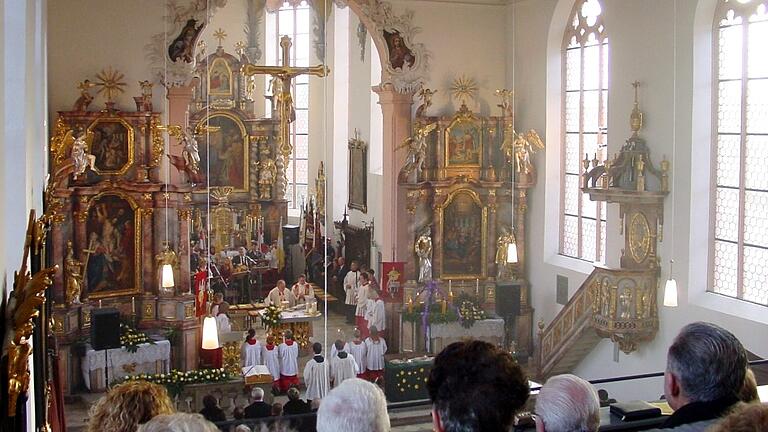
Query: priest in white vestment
[[279, 294], [375, 347], [250, 353], [374, 311], [303, 291], [351, 283], [316, 375], [343, 365], [271, 358], [358, 350], [289, 363]]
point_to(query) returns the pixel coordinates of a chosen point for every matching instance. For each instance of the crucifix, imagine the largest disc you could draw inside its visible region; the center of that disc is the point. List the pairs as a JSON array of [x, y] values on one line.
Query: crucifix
[[281, 90]]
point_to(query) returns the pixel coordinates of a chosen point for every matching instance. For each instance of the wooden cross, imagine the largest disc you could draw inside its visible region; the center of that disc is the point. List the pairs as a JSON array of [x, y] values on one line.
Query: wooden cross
[[283, 75], [88, 253]]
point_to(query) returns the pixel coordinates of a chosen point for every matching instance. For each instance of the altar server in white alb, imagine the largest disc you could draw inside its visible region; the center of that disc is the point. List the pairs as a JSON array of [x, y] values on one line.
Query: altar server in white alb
[[375, 347], [374, 311], [335, 351], [343, 366], [358, 350], [222, 319], [351, 282], [362, 303], [269, 353], [250, 354], [316, 375], [289, 363]]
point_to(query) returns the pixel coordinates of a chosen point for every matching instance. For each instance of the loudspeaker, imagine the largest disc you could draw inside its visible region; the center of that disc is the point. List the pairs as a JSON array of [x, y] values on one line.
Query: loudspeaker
[[508, 300], [290, 234], [105, 329]]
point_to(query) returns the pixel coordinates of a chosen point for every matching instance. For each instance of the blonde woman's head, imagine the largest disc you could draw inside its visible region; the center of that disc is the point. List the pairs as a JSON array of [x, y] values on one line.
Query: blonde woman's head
[[128, 405]]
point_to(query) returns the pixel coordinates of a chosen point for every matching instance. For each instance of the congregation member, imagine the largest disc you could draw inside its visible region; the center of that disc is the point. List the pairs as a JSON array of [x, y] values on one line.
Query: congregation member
[[375, 312], [316, 375], [250, 353], [296, 406], [289, 367], [218, 299], [302, 291], [363, 290], [475, 386], [375, 348], [567, 403], [280, 294], [178, 422], [343, 365], [240, 259], [258, 408], [748, 392], [752, 417], [222, 319], [127, 406], [359, 351], [351, 284], [706, 365], [254, 251], [270, 356], [354, 406], [211, 410]]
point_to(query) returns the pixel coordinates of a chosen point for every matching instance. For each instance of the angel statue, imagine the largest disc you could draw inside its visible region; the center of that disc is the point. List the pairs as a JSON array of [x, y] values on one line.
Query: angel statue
[[506, 238], [191, 152], [518, 148], [80, 156], [73, 277], [417, 152], [267, 177], [423, 249], [426, 101]]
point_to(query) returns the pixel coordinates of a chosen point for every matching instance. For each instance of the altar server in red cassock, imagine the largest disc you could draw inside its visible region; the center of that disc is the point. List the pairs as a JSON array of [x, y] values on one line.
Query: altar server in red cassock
[[289, 363], [271, 358], [250, 354], [358, 350], [376, 347]]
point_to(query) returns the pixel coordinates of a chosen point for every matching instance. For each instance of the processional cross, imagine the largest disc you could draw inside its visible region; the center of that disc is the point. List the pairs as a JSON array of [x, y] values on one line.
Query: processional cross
[[283, 75]]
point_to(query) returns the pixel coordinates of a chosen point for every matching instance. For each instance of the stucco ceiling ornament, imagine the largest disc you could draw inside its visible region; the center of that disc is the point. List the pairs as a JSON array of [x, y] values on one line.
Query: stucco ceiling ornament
[[410, 76], [177, 15]]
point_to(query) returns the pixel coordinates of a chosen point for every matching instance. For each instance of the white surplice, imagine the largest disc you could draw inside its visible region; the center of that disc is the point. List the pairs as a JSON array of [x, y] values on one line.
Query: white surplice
[[334, 351], [343, 368], [250, 354], [303, 293], [351, 282], [222, 324], [362, 300], [374, 314], [289, 355], [271, 360], [316, 378], [359, 352], [276, 297], [375, 354]]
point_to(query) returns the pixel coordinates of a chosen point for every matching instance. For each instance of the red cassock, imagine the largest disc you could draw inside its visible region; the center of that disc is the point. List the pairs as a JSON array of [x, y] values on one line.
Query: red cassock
[[201, 293]]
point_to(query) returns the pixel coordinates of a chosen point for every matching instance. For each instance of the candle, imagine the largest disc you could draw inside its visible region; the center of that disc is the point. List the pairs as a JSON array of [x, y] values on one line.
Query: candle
[[99, 304], [477, 287], [410, 304], [450, 295], [133, 305], [444, 306], [450, 285]]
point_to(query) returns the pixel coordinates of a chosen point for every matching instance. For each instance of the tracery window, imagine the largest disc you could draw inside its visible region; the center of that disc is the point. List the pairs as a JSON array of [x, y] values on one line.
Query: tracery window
[[293, 19], [585, 103], [739, 249]]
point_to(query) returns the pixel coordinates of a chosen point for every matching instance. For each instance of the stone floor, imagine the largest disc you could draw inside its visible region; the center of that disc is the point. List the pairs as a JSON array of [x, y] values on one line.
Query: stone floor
[[408, 420]]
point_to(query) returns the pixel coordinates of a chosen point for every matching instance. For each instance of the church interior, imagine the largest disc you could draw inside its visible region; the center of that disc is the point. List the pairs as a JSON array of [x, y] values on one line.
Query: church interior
[[219, 196]]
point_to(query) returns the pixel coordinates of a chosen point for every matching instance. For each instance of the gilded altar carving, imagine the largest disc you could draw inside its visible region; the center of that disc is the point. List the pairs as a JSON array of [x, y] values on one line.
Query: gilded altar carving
[[423, 250], [73, 277], [417, 153]]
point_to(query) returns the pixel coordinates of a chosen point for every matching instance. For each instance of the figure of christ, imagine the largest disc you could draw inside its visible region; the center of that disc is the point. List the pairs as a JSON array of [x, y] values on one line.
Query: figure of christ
[[376, 347], [104, 265], [289, 368], [359, 351], [343, 365], [317, 375]]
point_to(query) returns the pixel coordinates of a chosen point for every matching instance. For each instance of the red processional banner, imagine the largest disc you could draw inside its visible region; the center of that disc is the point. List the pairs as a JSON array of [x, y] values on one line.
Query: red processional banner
[[392, 281]]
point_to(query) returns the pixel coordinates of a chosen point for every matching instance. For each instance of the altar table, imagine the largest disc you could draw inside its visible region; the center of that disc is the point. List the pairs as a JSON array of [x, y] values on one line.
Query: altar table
[[298, 321], [148, 359], [441, 335]]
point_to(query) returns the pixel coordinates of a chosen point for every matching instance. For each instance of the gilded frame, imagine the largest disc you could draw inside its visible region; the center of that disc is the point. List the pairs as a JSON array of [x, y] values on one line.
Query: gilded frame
[[229, 92], [358, 162], [464, 119], [245, 187], [131, 144], [483, 237], [137, 245]]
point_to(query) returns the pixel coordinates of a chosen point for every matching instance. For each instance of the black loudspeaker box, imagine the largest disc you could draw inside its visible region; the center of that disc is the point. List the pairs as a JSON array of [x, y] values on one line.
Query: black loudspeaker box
[[105, 329], [290, 235], [508, 300]]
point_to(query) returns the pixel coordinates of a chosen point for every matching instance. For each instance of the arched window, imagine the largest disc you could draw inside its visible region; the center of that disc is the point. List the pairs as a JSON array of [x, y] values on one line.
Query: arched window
[[739, 250], [585, 103], [293, 20]]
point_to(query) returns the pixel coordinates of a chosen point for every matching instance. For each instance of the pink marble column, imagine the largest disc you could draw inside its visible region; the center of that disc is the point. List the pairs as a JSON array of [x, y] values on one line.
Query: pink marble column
[[396, 109], [179, 98]]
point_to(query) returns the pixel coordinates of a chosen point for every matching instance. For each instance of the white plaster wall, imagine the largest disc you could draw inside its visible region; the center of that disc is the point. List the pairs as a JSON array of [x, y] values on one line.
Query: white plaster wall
[[641, 37]]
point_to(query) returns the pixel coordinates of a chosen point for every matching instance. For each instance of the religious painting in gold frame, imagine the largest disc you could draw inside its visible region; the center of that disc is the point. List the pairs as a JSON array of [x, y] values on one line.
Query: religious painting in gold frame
[[220, 78], [228, 157], [463, 231], [358, 175], [113, 145], [112, 258], [464, 142]]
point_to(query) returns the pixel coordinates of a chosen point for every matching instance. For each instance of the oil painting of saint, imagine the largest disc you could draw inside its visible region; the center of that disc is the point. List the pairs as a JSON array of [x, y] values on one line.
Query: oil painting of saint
[[227, 160], [463, 145], [462, 237], [399, 53], [111, 253], [112, 145], [220, 78]]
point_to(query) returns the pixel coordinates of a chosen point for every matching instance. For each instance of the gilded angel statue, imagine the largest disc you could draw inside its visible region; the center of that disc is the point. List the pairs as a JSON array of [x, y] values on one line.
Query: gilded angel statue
[[506, 237], [73, 277], [518, 149], [80, 153], [417, 152]]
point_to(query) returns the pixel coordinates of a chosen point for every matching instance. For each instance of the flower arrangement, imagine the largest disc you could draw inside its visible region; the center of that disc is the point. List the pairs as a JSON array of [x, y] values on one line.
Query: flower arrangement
[[436, 316], [469, 310], [130, 338], [175, 380], [271, 317]]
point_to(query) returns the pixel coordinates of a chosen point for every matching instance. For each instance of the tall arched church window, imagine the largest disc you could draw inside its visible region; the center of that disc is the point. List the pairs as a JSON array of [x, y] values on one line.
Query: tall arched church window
[[585, 103], [293, 20], [739, 247]]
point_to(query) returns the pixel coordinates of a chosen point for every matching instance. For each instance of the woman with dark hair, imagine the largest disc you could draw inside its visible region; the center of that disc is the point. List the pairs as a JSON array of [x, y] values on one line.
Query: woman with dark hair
[[211, 410]]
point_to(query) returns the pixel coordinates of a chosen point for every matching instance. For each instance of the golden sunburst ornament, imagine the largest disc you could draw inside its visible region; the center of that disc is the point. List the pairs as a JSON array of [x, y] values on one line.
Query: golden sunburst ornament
[[110, 82], [463, 88], [220, 34]]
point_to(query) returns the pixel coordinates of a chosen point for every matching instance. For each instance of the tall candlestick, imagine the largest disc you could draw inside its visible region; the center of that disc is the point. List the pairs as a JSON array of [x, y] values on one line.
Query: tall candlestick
[[99, 304], [410, 304], [133, 305], [477, 287], [444, 306]]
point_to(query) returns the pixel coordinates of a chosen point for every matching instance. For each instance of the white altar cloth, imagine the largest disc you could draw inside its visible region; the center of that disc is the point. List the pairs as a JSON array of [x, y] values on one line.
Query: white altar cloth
[[489, 330], [148, 359]]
